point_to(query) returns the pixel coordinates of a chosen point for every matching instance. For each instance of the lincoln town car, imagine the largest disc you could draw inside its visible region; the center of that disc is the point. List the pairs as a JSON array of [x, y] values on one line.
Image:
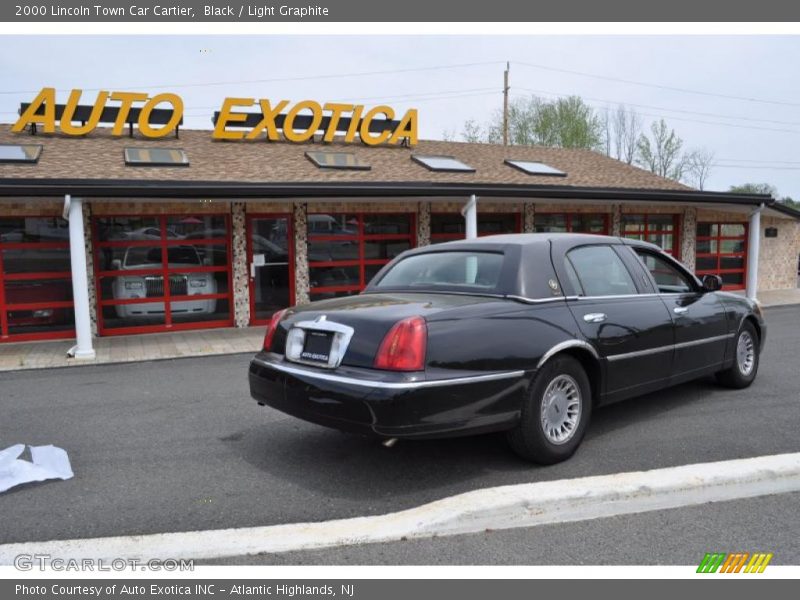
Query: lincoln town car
[[526, 334]]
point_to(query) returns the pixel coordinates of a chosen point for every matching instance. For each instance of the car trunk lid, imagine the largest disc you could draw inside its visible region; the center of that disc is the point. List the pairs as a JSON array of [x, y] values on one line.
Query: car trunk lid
[[369, 317]]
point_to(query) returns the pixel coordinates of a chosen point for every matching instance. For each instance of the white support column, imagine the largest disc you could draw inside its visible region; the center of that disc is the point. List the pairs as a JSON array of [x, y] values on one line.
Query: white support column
[[80, 282], [470, 214], [753, 246]]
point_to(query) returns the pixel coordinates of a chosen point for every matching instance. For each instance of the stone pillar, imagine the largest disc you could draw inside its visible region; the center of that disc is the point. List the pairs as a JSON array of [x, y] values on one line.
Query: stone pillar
[[688, 235], [241, 276], [528, 217], [424, 224], [301, 275], [89, 244], [616, 220]]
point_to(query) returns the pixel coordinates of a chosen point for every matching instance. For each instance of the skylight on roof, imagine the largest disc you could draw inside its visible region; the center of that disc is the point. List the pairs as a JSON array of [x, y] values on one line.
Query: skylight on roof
[[535, 168], [442, 163], [156, 157], [20, 153], [337, 160]]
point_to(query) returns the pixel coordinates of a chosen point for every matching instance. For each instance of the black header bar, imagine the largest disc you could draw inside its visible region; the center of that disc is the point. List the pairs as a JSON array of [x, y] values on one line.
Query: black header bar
[[460, 11]]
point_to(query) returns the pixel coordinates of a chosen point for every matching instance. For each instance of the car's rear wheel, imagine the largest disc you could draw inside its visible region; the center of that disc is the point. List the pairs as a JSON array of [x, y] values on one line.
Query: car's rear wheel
[[555, 414], [745, 362]]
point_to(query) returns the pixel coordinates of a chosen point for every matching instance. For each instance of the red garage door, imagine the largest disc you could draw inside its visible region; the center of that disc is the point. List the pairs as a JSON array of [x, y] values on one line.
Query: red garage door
[[661, 230], [345, 251], [722, 250], [35, 279], [165, 272], [596, 223], [451, 226]]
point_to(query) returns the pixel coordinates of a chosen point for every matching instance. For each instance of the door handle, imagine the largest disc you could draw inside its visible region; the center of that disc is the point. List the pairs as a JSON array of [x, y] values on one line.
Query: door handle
[[679, 310], [594, 317]]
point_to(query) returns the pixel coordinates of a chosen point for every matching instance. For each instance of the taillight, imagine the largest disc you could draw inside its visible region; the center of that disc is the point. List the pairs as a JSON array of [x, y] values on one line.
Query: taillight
[[272, 326], [403, 348]]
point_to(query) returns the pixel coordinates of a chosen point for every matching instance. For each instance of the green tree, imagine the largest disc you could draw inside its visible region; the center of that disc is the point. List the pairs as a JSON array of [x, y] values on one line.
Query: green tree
[[660, 152], [561, 123], [755, 188], [765, 188]]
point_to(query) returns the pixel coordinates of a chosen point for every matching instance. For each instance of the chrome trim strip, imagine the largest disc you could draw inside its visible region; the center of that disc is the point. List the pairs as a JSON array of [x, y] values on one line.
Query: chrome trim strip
[[621, 296], [564, 346], [527, 300], [638, 353], [649, 351], [716, 338], [615, 297], [388, 385]]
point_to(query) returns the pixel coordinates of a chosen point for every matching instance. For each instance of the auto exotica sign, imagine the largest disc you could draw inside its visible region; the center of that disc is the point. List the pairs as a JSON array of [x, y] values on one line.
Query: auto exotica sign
[[297, 122]]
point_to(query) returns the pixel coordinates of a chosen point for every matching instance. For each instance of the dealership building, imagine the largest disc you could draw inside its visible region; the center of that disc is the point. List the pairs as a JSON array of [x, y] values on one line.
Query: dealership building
[[187, 231]]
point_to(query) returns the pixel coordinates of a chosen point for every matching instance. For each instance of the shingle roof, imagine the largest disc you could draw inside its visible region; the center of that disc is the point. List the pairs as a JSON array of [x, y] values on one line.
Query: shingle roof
[[99, 156]]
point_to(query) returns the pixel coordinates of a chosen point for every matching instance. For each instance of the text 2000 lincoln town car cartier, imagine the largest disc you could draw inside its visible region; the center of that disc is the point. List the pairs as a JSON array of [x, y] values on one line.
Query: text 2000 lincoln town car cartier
[[523, 333]]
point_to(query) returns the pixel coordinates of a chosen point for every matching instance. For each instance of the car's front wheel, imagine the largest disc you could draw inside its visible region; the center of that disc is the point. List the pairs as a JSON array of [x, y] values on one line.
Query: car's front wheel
[[555, 414], [745, 363]]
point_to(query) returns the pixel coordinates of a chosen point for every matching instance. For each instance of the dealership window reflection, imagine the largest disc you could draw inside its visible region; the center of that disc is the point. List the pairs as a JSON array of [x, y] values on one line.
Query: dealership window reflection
[[163, 271]]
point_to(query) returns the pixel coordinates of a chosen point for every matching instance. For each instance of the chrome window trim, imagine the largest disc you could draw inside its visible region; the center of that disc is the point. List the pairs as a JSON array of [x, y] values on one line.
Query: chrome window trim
[[388, 385], [527, 300], [647, 352], [621, 296], [565, 345]]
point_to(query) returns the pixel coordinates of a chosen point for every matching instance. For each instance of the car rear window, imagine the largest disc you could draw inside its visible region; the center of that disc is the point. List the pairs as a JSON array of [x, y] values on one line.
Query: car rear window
[[472, 271]]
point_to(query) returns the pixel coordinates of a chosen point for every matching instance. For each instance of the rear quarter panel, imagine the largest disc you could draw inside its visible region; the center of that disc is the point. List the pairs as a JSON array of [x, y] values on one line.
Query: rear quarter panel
[[503, 335]]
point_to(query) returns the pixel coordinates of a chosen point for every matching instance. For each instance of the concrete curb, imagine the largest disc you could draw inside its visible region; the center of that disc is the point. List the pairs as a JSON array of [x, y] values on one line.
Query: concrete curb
[[503, 507]]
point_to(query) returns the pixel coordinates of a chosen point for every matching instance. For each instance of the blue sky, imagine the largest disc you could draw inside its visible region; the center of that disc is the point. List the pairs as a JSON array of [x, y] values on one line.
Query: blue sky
[[753, 140]]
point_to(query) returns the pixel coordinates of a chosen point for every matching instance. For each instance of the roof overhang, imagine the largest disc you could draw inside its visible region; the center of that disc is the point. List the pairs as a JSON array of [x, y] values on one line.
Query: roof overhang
[[118, 188]]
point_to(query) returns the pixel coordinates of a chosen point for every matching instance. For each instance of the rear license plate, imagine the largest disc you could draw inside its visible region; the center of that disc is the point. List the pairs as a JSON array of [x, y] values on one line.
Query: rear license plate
[[317, 346]]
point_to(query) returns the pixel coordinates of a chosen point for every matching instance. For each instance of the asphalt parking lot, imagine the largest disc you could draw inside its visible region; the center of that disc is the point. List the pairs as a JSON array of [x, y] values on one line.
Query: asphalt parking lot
[[179, 445], [679, 536]]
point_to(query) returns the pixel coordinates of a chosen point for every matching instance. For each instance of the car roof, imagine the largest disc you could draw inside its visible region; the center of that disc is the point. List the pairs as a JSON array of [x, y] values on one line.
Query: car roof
[[527, 239]]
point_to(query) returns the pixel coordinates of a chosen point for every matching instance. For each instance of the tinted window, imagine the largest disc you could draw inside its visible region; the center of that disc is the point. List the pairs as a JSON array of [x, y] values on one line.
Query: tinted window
[[475, 270], [668, 278], [600, 271]]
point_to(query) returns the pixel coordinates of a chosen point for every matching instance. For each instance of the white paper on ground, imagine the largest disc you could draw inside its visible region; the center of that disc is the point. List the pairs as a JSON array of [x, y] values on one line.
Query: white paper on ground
[[47, 462]]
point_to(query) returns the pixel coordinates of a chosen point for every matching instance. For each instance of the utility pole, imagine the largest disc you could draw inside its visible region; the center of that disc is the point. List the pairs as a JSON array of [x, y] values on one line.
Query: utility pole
[[505, 104]]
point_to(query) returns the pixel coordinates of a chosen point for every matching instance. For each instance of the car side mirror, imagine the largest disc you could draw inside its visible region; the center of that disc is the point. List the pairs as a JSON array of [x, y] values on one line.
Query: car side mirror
[[207, 262], [712, 283], [116, 264]]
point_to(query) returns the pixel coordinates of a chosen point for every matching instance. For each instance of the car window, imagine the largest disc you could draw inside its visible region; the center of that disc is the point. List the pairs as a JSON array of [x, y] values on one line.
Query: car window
[[668, 279], [477, 270], [600, 271], [573, 278]]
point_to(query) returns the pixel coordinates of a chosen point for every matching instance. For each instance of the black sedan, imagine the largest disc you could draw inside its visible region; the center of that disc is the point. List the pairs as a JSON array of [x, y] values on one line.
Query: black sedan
[[519, 333]]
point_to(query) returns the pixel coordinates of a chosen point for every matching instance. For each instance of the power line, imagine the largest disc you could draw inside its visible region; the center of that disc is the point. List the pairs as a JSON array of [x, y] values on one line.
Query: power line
[[396, 98], [678, 110], [718, 123], [757, 167], [658, 86], [279, 79], [756, 160]]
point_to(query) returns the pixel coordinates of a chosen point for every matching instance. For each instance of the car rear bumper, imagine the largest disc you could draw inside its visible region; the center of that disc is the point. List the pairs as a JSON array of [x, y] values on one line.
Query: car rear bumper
[[384, 404]]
